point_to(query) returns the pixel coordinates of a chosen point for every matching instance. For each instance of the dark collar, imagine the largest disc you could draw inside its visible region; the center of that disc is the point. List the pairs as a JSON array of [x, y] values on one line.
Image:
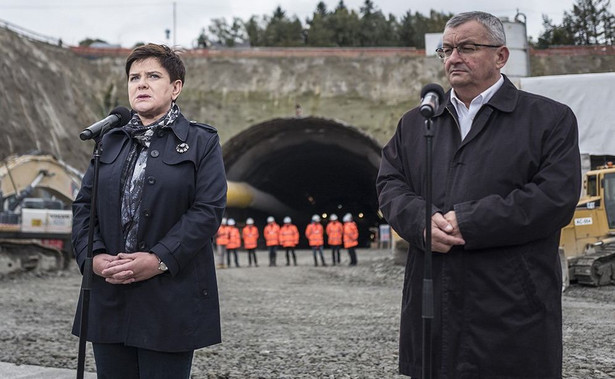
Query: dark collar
[[180, 128]]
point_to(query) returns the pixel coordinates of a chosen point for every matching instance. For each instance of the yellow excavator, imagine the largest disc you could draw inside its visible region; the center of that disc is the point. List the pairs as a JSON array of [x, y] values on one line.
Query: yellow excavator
[[587, 243], [37, 191]]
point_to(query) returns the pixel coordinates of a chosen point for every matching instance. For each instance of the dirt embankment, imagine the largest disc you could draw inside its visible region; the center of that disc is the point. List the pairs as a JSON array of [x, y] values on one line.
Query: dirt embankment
[[49, 95]]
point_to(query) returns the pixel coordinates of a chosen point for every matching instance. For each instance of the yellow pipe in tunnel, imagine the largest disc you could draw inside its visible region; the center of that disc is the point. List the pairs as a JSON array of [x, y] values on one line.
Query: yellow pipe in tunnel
[[243, 195], [239, 195]]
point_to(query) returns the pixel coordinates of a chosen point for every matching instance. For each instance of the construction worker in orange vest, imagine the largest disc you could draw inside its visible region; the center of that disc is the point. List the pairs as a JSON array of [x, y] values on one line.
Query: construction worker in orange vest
[[250, 240], [272, 238], [221, 241], [351, 238], [234, 242], [334, 230], [315, 235], [289, 238]]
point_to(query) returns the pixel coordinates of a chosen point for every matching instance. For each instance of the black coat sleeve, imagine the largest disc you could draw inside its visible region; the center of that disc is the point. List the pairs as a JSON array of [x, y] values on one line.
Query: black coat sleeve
[[398, 192], [81, 221]]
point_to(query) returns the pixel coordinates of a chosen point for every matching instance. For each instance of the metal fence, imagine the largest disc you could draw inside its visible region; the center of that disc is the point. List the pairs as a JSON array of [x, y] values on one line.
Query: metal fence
[[29, 34]]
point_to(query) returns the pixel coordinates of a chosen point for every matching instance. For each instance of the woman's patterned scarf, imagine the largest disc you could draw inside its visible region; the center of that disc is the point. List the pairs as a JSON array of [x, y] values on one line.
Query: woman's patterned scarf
[[133, 172]]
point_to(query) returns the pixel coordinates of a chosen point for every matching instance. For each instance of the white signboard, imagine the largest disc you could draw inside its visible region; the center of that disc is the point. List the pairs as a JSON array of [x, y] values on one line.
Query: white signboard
[[583, 221]]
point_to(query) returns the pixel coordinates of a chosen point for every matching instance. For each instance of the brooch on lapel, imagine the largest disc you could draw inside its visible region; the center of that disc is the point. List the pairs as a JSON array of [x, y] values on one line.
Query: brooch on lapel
[[182, 148]]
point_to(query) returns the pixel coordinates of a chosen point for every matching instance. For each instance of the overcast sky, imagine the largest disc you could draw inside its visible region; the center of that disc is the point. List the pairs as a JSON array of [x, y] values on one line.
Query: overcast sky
[[130, 21]]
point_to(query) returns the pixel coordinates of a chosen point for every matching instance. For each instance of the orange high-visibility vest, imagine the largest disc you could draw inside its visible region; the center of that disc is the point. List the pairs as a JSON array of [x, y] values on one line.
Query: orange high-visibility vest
[[335, 229], [250, 237], [222, 236], [351, 234], [289, 235], [314, 234], [234, 241], [271, 233]]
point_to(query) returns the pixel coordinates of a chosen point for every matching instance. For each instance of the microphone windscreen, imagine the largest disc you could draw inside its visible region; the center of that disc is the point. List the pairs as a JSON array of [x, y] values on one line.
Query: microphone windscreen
[[123, 113], [433, 87]]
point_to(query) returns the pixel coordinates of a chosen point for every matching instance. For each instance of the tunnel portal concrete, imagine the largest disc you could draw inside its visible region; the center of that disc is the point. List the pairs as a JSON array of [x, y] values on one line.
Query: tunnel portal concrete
[[312, 165]]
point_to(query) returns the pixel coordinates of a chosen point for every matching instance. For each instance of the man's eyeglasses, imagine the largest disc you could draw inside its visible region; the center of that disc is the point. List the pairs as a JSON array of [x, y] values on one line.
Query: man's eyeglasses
[[463, 49]]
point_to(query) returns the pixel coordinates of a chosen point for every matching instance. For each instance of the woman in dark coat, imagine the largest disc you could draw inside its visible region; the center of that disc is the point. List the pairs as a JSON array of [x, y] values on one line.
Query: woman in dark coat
[[161, 195]]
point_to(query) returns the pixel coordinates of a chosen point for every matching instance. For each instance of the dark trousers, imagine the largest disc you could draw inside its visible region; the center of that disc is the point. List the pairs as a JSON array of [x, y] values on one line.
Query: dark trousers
[[252, 256], [272, 255], [228, 257], [290, 250], [318, 250], [335, 254], [116, 361], [353, 256]]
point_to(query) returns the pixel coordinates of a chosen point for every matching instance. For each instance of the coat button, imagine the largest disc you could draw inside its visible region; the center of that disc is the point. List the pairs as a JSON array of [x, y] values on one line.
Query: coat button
[[160, 133], [142, 245], [151, 180], [147, 213], [154, 153], [205, 293]]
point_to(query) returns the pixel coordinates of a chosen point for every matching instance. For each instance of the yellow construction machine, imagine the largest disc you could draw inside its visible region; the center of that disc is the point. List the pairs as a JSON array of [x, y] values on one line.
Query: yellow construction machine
[[587, 243], [37, 191]]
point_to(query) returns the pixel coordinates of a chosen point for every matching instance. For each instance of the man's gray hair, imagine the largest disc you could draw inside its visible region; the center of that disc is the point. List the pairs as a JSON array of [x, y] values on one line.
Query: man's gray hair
[[494, 26]]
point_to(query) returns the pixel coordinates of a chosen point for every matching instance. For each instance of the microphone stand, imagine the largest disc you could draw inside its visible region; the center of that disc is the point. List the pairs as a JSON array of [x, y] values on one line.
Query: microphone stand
[[86, 283], [428, 296]]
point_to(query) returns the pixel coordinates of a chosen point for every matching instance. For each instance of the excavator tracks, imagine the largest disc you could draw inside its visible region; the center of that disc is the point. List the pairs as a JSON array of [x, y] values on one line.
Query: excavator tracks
[[596, 269], [28, 255]]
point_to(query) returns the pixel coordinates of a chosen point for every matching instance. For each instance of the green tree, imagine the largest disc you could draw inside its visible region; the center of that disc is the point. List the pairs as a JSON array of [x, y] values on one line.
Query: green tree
[[228, 35], [254, 31], [376, 29], [341, 27], [346, 26], [554, 35], [406, 32], [413, 27], [89, 41], [319, 32], [202, 42], [282, 31], [589, 23]]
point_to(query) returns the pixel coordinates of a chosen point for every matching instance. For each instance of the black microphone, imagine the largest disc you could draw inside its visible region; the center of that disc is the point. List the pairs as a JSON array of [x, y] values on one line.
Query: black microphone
[[431, 97], [117, 117]]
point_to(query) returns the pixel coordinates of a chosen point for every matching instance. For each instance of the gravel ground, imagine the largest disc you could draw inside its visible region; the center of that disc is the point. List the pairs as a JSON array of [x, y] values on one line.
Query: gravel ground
[[289, 322]]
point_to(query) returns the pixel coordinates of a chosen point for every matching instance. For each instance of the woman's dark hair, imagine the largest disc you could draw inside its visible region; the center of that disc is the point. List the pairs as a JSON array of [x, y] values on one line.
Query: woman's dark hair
[[165, 56]]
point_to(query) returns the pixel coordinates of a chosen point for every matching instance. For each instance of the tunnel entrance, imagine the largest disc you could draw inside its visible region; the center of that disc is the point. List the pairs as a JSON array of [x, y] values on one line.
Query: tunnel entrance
[[312, 166]]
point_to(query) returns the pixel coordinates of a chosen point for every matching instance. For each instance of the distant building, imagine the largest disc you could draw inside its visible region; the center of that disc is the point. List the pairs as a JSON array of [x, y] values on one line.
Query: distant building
[[105, 45]]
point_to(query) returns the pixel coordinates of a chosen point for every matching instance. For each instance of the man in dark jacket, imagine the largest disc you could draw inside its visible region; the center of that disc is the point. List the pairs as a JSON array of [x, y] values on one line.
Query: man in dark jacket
[[506, 178]]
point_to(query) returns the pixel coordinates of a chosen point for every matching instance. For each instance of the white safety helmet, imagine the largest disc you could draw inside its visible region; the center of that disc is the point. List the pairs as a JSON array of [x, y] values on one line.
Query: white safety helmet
[[249, 221], [316, 218], [231, 222], [270, 219], [287, 220], [333, 217], [347, 217], [223, 220]]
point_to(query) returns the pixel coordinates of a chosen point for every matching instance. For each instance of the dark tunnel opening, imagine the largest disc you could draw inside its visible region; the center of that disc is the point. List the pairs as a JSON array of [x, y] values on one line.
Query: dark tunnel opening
[[311, 165]]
